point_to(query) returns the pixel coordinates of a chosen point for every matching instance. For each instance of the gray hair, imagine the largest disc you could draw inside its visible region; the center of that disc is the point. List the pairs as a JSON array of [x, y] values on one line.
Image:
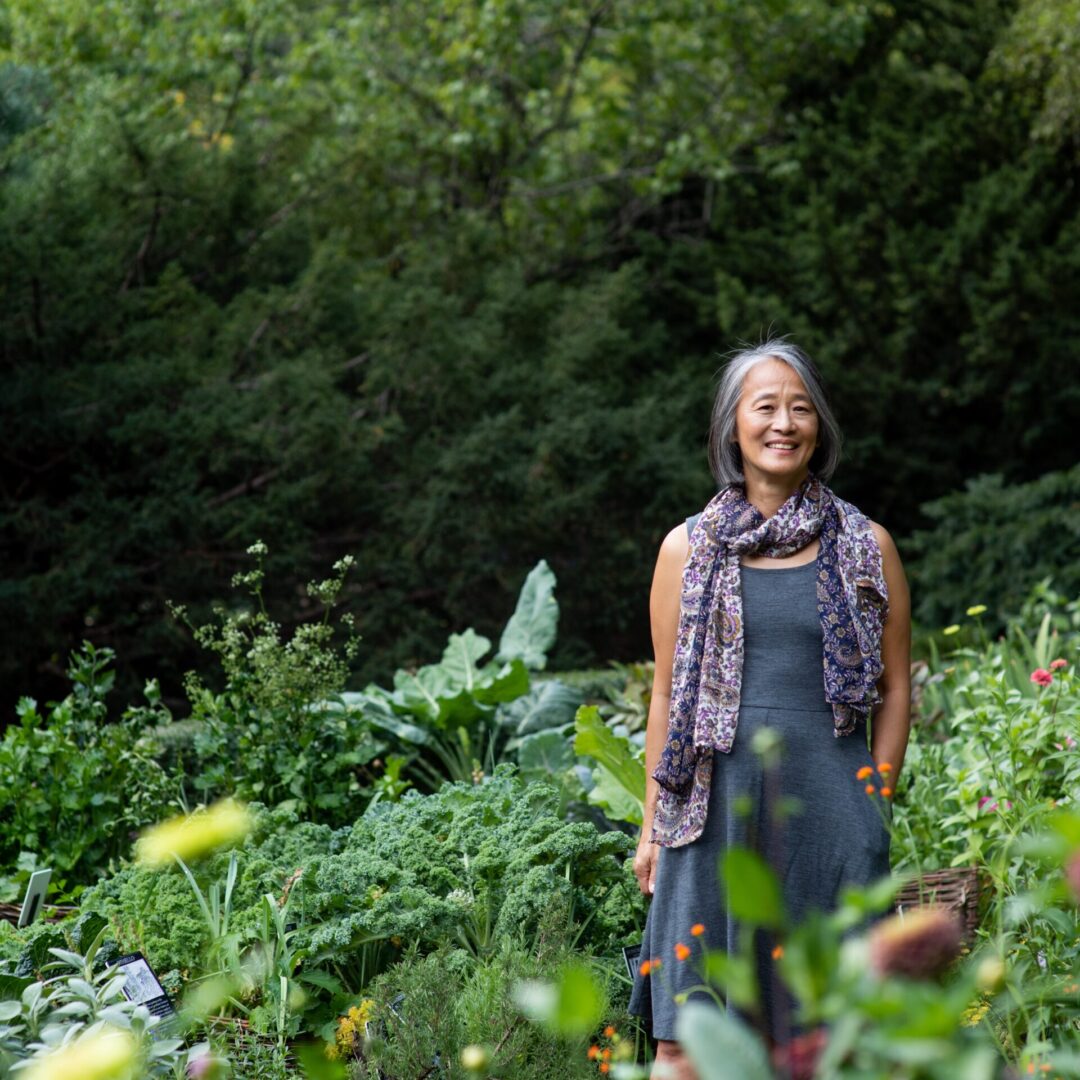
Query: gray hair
[[725, 457]]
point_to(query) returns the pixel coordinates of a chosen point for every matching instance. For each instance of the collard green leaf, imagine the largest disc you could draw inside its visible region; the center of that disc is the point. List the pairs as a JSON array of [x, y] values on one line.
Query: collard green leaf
[[550, 704], [460, 658], [502, 683], [617, 803], [376, 708], [619, 764], [530, 633], [545, 755]]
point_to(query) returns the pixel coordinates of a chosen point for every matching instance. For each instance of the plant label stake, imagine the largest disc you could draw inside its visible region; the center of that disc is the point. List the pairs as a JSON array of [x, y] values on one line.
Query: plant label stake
[[34, 900]]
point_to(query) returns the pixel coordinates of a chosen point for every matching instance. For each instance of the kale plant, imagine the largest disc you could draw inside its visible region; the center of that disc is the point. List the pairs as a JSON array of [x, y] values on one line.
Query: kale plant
[[473, 864], [155, 911]]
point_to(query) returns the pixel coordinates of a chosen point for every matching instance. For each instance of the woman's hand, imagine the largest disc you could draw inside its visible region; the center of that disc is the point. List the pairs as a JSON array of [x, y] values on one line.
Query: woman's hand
[[645, 859]]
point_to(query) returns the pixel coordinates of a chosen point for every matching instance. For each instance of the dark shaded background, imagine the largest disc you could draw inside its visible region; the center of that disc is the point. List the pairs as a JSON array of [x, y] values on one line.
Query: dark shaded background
[[396, 303]]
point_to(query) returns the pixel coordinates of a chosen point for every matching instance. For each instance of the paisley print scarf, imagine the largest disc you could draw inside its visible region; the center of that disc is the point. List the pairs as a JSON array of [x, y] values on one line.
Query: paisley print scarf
[[852, 601]]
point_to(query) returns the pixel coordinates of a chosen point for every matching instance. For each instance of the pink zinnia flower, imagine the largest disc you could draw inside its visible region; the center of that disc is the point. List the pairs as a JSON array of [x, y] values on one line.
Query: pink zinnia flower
[[1058, 664], [1041, 677]]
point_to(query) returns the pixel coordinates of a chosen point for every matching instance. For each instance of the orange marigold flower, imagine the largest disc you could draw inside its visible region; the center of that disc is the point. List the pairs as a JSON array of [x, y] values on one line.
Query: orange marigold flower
[[604, 1067], [869, 789], [697, 929], [594, 1052], [886, 792], [864, 772], [884, 768], [681, 951], [646, 967], [609, 1031], [778, 952], [606, 1054]]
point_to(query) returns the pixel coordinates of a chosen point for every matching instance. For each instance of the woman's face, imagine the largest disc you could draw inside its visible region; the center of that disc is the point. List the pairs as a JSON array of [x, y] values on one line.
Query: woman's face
[[776, 424]]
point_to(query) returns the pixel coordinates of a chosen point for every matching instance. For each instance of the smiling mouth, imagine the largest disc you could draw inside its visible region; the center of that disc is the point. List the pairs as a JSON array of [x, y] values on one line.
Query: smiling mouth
[[781, 446]]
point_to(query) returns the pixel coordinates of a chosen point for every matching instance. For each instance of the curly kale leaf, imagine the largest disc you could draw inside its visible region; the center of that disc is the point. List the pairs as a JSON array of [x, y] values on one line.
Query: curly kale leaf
[[471, 863]]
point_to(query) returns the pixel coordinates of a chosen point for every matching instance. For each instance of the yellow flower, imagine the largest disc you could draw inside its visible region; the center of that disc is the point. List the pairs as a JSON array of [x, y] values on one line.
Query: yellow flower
[[192, 837], [974, 1013], [351, 1029], [954, 629], [179, 97], [978, 609], [474, 1058], [105, 1054]]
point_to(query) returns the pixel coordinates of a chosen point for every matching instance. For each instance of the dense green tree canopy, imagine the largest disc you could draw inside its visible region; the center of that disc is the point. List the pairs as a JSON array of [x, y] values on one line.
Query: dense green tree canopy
[[446, 286]]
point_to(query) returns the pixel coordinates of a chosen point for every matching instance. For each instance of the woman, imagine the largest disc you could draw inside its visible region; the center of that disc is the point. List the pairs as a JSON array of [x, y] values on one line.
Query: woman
[[782, 607]]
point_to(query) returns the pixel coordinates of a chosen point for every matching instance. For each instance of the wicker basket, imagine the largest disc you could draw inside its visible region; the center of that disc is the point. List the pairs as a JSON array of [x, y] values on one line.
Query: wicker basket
[[50, 913], [959, 889]]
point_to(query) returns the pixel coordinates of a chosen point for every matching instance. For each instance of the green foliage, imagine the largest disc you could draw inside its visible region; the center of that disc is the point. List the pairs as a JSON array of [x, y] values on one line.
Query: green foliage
[[156, 911], [73, 785], [992, 759], [471, 864], [530, 633], [75, 999], [1039, 54], [457, 719], [619, 769], [719, 1046], [475, 866], [269, 735], [431, 1007], [991, 543], [505, 343]]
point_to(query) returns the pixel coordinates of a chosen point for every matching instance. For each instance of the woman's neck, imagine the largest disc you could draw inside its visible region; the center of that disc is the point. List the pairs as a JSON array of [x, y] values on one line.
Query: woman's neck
[[769, 493]]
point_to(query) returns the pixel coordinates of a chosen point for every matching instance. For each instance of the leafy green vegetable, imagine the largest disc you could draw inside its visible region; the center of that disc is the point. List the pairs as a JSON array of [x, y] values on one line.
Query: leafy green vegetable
[[619, 770], [472, 864], [530, 633]]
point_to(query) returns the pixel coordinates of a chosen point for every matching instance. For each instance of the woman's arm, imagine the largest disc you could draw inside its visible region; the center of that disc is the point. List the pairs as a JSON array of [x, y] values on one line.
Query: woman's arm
[[892, 716], [664, 617]]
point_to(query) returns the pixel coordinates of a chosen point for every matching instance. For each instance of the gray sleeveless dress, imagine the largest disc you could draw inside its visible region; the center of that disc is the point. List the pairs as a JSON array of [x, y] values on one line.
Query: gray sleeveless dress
[[833, 837]]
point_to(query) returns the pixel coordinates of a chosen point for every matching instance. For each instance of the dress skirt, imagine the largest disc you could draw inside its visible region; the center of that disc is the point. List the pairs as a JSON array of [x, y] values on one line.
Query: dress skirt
[[809, 816]]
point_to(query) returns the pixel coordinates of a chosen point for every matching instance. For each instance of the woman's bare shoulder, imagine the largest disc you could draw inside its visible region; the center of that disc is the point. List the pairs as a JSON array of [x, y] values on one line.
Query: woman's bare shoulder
[[889, 553], [675, 546]]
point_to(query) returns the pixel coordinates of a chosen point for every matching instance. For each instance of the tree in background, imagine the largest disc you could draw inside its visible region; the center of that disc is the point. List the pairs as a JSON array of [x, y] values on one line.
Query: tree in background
[[445, 285]]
